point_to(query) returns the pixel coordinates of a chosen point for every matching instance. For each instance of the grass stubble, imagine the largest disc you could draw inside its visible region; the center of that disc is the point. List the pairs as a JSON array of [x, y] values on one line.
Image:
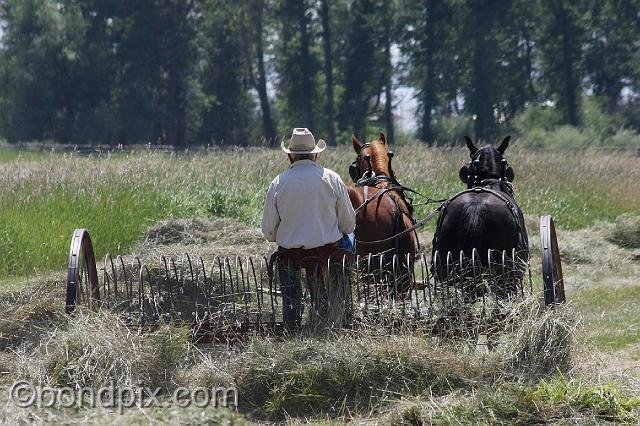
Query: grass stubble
[[548, 365]]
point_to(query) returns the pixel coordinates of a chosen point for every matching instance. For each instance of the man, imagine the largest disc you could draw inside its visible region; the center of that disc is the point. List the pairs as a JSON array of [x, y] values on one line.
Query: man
[[306, 207]]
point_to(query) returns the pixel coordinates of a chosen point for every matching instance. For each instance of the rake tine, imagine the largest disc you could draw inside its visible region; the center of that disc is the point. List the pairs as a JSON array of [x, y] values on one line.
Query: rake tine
[[153, 295], [513, 274], [346, 277], [108, 262], [227, 264], [436, 272], [115, 279], [245, 293], [383, 283], [123, 269], [421, 297], [358, 289], [106, 283], [449, 267], [134, 261], [462, 275], [504, 274], [271, 285], [209, 293], [427, 294], [173, 267], [223, 289], [394, 276], [141, 317], [491, 276], [205, 287], [166, 280], [186, 256], [474, 266], [328, 283], [368, 282], [411, 280], [255, 281]]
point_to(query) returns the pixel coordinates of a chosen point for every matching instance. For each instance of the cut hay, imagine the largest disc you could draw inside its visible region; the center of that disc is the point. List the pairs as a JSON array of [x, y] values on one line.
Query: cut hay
[[97, 349], [29, 313], [539, 342], [335, 376], [626, 232], [202, 237]]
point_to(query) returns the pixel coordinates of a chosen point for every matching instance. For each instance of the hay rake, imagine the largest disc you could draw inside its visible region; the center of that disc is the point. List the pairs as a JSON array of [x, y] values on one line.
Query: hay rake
[[225, 298]]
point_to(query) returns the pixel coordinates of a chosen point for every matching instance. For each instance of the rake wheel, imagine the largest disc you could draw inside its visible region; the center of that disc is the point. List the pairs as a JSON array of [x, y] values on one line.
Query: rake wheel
[[551, 265], [82, 276]]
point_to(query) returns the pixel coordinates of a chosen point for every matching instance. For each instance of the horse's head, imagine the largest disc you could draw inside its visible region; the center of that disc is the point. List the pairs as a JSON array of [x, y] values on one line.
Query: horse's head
[[487, 162], [374, 159]]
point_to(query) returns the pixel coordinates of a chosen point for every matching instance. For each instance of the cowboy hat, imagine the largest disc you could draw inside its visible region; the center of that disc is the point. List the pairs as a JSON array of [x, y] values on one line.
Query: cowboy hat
[[303, 142]]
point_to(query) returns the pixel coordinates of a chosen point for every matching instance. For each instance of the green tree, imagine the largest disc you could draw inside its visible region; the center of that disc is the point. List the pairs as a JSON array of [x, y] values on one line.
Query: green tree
[[362, 73], [482, 31], [327, 45], [228, 111], [260, 75], [560, 36], [430, 37], [297, 64], [610, 47], [38, 52]]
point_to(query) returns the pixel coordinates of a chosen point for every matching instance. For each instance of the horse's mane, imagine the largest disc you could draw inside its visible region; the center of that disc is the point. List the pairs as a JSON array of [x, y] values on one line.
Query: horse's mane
[[379, 158], [490, 163]]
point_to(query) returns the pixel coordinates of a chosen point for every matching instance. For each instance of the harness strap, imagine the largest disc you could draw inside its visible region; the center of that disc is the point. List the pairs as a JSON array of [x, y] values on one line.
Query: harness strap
[[509, 202], [417, 225], [375, 197]]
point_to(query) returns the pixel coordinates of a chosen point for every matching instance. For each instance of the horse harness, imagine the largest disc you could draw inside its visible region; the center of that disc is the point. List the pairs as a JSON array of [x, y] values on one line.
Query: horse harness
[[369, 179], [506, 197]]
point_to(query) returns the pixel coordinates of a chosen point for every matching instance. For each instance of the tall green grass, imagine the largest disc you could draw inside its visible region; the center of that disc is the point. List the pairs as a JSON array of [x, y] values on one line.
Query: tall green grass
[[42, 200], [8, 154], [611, 317], [36, 232]]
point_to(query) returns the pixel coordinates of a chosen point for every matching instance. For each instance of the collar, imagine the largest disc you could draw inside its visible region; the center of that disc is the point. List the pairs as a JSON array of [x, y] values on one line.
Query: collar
[[303, 163]]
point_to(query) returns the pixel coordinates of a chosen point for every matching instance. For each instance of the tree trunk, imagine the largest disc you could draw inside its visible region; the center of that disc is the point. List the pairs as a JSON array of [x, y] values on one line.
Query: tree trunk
[[268, 126], [570, 90], [388, 103], [176, 129], [328, 71], [481, 103], [428, 92], [307, 80], [529, 59]]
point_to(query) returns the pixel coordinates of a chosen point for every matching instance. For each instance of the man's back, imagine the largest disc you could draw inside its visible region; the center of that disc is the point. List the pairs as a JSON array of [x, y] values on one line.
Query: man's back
[[307, 206]]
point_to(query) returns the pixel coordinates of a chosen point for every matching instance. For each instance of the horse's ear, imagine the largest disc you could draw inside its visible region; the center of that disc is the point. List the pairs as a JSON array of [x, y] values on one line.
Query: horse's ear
[[504, 145], [357, 144], [383, 138], [472, 147]]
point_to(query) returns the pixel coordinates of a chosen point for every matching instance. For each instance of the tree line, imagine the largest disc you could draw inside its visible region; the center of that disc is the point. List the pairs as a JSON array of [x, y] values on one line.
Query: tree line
[[185, 72]]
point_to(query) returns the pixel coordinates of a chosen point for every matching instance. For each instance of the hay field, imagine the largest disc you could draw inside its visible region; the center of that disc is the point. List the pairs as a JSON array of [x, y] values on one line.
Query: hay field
[[149, 202]]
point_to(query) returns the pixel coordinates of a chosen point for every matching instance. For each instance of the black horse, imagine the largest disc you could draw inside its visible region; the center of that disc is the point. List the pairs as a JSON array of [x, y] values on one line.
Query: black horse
[[482, 225]]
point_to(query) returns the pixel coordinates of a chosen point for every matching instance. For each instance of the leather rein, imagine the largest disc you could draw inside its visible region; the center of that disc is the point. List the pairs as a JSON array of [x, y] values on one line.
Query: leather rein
[[477, 189]]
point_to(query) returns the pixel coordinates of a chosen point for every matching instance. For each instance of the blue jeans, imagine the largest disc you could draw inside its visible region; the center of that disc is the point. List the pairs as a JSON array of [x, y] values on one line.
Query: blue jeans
[[348, 242]]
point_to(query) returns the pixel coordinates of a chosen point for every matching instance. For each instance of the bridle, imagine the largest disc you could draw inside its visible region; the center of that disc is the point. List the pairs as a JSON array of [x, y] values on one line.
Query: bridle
[[473, 169], [369, 178]]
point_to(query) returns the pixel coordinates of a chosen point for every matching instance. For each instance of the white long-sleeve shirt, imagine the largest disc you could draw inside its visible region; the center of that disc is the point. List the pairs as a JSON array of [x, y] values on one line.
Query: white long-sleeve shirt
[[307, 206]]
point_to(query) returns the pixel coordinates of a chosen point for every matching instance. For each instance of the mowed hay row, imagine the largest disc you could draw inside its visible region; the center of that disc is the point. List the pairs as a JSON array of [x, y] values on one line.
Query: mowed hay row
[[347, 375]]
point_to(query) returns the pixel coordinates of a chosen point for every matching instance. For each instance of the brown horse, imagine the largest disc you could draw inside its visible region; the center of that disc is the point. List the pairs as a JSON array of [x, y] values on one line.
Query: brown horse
[[382, 210]]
